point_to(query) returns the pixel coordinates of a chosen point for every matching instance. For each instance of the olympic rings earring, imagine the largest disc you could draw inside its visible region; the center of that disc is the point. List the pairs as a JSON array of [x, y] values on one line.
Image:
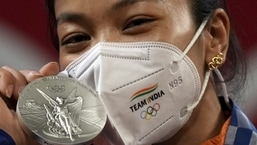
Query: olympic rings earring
[[216, 61]]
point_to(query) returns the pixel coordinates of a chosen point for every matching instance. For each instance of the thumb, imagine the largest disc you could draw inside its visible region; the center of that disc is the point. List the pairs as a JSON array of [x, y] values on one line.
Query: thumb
[[51, 68]]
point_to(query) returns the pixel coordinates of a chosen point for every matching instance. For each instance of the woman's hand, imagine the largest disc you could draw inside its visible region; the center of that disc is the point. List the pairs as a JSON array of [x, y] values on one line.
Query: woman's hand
[[11, 83]]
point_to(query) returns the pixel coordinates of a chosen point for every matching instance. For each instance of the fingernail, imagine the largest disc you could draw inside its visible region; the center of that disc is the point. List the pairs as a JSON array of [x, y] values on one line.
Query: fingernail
[[9, 90]]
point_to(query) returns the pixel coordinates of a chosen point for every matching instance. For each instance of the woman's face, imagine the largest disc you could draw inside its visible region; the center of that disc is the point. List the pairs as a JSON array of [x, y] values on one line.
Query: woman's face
[[83, 23]]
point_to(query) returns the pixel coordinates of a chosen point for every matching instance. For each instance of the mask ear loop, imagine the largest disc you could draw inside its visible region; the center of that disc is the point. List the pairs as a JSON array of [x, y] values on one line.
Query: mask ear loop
[[189, 46], [224, 88], [174, 63], [194, 39], [204, 86]]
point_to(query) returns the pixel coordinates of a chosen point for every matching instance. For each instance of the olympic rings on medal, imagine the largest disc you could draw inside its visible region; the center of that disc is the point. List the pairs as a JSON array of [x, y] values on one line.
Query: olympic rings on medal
[[150, 112]]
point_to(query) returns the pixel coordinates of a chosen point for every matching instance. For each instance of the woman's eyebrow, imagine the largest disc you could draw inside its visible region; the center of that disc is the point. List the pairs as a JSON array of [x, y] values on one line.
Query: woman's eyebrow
[[124, 3], [73, 17], [69, 17]]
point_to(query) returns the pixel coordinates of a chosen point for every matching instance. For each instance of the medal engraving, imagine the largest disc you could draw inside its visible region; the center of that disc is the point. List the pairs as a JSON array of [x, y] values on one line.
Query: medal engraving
[[60, 110]]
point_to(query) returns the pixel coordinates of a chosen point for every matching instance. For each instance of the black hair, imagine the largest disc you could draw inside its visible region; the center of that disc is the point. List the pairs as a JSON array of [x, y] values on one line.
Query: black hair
[[233, 70], [52, 23]]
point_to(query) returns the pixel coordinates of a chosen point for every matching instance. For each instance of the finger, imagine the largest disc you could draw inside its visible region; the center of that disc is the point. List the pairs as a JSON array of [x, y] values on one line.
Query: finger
[[5, 114], [31, 75], [7, 121], [6, 83], [10, 124], [52, 68], [18, 81]]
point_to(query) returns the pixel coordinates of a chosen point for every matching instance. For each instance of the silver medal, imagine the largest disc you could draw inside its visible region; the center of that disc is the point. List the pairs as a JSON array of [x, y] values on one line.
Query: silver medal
[[59, 110]]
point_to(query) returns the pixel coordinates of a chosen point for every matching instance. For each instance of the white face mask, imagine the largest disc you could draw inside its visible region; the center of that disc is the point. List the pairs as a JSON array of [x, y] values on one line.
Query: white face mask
[[149, 89]]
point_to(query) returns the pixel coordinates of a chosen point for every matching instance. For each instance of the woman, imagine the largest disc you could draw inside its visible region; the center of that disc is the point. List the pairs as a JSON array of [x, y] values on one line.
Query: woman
[[198, 36]]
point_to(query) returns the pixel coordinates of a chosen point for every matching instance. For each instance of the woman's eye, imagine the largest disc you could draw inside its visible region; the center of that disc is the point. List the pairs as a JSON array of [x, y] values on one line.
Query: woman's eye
[[75, 39], [137, 22]]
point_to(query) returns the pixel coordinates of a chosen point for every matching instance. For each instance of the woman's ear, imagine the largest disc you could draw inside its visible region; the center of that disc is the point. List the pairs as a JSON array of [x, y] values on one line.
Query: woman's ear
[[218, 30]]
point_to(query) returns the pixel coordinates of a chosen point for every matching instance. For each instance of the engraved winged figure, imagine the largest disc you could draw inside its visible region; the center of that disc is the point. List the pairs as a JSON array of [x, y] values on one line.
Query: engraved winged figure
[[63, 119]]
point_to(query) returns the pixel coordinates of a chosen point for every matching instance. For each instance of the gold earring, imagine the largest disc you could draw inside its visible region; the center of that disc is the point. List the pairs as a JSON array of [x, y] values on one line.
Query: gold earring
[[216, 61]]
